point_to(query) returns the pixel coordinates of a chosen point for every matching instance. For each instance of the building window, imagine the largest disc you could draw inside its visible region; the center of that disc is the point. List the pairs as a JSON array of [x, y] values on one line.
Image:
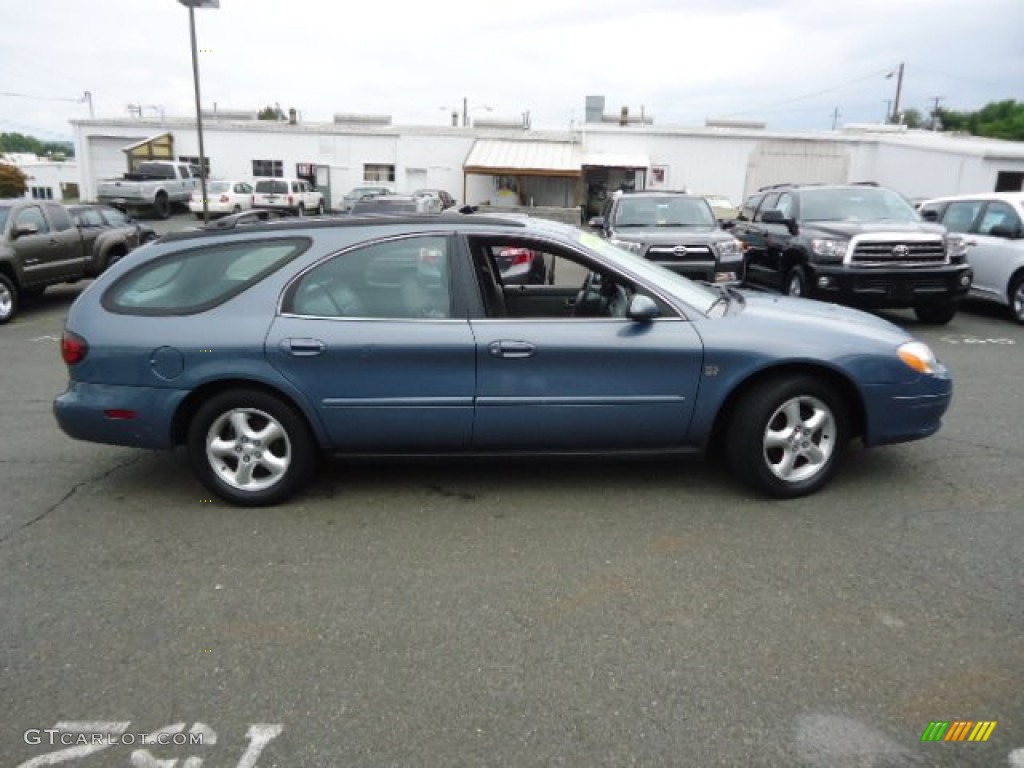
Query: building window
[[378, 173], [194, 160], [42, 193], [268, 168]]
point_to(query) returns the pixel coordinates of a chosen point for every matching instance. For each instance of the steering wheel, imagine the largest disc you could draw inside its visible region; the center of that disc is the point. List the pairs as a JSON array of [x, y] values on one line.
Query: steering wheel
[[589, 300]]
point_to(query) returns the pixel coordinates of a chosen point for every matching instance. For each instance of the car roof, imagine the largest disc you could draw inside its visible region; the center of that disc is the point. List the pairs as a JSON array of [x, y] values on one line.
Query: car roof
[[297, 224], [1009, 197]]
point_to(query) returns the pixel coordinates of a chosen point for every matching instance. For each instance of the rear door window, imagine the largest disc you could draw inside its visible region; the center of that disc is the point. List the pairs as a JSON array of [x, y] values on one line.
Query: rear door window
[[199, 279]]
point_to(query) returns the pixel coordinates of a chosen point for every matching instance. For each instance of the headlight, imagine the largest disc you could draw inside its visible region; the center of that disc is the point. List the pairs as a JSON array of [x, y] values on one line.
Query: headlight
[[831, 250], [917, 355], [730, 250], [627, 246], [956, 249]]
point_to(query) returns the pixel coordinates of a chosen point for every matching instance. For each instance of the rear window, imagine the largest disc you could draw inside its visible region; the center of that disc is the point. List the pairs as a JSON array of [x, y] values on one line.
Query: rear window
[[272, 187], [199, 279]]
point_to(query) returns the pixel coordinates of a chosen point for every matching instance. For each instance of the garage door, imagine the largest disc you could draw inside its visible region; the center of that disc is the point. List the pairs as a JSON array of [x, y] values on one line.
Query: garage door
[[107, 159]]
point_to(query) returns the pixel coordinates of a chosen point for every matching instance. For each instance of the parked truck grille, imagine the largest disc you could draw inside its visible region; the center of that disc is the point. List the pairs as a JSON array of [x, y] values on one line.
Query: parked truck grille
[[898, 252], [680, 253]]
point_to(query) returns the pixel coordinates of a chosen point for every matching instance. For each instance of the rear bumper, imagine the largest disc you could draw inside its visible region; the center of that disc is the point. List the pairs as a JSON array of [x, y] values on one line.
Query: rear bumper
[[888, 288], [83, 412]]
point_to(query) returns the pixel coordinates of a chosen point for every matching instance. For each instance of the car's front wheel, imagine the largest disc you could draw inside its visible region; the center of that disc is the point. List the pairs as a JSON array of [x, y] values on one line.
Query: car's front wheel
[[250, 448], [796, 282], [1017, 299], [787, 436], [8, 299]]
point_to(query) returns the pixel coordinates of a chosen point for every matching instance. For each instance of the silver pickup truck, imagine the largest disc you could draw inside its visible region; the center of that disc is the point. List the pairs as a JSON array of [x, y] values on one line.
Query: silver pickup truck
[[155, 185]]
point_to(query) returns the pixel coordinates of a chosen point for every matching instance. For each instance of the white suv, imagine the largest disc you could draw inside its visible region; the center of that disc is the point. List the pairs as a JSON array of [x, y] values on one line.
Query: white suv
[[992, 224], [296, 195]]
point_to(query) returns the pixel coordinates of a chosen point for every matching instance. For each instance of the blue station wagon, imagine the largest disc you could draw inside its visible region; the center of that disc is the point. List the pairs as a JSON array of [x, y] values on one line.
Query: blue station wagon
[[259, 348]]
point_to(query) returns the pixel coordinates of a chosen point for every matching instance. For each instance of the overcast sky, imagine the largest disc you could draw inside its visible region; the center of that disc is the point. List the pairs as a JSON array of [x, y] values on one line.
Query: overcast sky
[[789, 63]]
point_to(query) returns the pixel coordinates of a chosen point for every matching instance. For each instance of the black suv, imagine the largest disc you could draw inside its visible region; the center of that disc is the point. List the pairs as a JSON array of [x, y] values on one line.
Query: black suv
[[857, 244], [674, 229]]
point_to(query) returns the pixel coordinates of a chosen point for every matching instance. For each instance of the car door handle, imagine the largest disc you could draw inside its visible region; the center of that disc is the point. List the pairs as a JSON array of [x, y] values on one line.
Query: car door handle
[[512, 349], [303, 347]]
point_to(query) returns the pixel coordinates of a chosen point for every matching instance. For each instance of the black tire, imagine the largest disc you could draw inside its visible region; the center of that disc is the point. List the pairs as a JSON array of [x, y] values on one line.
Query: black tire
[[162, 207], [300, 211], [787, 436], [936, 313], [226, 461], [113, 258], [1016, 296], [320, 208], [9, 299], [236, 209], [796, 282]]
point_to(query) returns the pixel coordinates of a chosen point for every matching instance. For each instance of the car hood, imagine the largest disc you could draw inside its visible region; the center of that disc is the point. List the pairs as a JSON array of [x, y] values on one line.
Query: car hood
[[848, 229], [803, 319], [670, 235]]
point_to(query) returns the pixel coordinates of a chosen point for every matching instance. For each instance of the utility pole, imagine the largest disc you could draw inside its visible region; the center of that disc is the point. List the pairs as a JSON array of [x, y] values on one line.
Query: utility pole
[[888, 110], [935, 112], [87, 97], [835, 118], [465, 112], [899, 91]]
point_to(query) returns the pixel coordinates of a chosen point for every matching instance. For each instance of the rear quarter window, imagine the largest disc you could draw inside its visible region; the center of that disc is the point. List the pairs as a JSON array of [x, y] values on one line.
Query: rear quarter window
[[196, 280]]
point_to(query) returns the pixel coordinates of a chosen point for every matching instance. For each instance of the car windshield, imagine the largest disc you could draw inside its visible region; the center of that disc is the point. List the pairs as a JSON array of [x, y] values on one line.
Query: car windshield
[[664, 212], [694, 294], [855, 204]]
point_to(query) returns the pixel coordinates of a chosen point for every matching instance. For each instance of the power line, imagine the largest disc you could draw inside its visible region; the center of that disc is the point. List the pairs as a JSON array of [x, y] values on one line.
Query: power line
[[767, 107], [80, 100]]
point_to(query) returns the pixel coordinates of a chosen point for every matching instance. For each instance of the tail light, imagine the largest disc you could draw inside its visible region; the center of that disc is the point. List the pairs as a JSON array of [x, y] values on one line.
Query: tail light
[[291, 200], [517, 256], [73, 348], [225, 199]]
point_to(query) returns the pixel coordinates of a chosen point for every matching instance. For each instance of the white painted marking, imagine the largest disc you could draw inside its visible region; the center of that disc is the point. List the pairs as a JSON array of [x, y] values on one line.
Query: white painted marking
[[825, 741], [46, 338], [259, 735], [968, 339], [1017, 758]]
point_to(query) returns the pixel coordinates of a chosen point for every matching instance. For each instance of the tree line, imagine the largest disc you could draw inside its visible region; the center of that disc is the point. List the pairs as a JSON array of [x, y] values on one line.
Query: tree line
[[16, 143]]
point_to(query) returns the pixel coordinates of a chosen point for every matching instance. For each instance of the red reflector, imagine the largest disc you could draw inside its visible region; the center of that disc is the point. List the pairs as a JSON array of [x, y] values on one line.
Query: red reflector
[[119, 413], [73, 348], [518, 255]]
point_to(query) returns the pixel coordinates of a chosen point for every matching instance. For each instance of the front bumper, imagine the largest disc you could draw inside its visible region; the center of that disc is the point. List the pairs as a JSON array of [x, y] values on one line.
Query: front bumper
[[893, 288], [83, 411], [899, 413]]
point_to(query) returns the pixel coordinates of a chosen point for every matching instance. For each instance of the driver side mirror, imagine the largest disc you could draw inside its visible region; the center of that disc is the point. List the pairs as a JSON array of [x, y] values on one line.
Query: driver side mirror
[[642, 309], [775, 216], [25, 229]]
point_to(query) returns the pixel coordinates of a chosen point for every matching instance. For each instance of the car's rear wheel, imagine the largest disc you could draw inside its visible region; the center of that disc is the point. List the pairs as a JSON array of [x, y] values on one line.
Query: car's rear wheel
[[250, 448], [162, 207], [8, 299], [787, 436], [301, 210], [796, 282], [936, 313], [1017, 299]]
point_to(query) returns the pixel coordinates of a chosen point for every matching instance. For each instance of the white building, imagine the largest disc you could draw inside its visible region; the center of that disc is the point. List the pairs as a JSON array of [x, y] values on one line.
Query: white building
[[498, 165], [46, 179]]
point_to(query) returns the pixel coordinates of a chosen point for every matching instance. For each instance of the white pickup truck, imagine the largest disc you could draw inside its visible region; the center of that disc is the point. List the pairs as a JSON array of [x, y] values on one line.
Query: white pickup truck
[[155, 184]]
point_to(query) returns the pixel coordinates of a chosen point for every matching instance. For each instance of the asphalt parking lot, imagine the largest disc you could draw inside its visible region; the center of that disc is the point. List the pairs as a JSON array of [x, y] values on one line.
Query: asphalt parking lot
[[514, 614]]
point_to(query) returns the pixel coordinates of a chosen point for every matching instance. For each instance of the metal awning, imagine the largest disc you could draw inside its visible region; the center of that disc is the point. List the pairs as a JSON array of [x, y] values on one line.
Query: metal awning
[[511, 157], [616, 160]]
